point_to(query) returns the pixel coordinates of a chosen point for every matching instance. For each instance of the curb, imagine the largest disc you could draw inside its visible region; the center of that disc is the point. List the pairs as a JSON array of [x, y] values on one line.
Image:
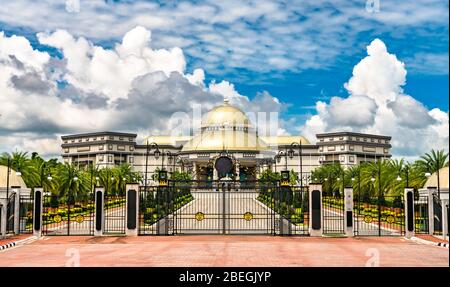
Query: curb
[[16, 243], [423, 241]]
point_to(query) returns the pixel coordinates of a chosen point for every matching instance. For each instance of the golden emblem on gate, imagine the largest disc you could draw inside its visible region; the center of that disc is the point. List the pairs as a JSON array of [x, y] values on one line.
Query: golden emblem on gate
[[199, 216], [79, 218], [368, 219], [248, 216], [57, 218], [390, 219]]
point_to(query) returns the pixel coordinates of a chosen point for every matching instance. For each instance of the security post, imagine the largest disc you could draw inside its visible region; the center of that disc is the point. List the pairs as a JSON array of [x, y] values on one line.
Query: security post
[[132, 203], [315, 209], [348, 218]]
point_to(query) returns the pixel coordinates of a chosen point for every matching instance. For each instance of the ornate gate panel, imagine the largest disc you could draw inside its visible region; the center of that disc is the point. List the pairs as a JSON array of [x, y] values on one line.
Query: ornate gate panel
[[421, 215], [68, 214], [333, 211], [114, 214], [379, 216], [26, 213]]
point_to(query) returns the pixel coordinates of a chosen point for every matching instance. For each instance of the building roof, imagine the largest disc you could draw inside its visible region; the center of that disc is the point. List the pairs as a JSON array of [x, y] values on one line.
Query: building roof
[[351, 134], [167, 140], [285, 140], [98, 134], [14, 180], [443, 179]]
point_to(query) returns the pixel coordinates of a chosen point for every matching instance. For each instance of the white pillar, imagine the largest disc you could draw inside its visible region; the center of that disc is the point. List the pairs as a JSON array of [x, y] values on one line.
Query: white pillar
[[16, 211], [348, 216], [315, 210], [409, 212], [132, 209], [444, 203], [3, 218], [431, 191], [99, 209], [38, 211]]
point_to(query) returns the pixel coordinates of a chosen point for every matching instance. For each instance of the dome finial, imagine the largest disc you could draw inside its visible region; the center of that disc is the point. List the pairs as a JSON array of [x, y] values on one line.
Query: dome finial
[[226, 101]]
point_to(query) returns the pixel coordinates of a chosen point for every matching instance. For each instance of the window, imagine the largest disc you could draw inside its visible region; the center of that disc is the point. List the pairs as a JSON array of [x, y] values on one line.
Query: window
[[66, 150], [341, 138], [372, 140], [321, 139], [79, 140], [330, 139], [110, 158], [365, 139], [342, 158], [102, 138], [131, 159], [386, 150], [131, 148], [121, 138], [357, 139], [130, 139], [368, 149], [110, 147], [120, 147], [342, 147], [379, 140], [83, 148], [101, 147], [351, 158], [351, 147], [387, 141], [331, 148], [65, 141], [321, 148], [111, 137], [100, 158], [86, 140]]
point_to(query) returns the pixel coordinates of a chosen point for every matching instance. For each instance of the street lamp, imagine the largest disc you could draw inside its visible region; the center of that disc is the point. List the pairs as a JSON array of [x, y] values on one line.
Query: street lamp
[[300, 156], [278, 158], [149, 147]]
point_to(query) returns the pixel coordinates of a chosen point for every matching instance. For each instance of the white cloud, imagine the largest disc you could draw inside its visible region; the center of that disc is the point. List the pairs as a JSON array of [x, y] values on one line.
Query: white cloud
[[376, 104], [131, 87]]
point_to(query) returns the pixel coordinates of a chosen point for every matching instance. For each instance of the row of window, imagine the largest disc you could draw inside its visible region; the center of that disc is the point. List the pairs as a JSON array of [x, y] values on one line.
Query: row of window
[[87, 139], [351, 148], [101, 147], [352, 138], [110, 158]]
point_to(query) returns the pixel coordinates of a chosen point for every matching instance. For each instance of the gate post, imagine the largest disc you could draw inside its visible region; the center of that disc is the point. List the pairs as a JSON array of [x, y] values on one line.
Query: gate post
[[37, 211], [409, 212], [315, 208], [3, 220], [132, 204], [99, 211], [348, 218], [16, 211], [444, 203], [431, 191]]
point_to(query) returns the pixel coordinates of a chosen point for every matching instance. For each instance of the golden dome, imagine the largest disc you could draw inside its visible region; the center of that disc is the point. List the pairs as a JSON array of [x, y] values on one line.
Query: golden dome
[[443, 179], [225, 115], [14, 180]]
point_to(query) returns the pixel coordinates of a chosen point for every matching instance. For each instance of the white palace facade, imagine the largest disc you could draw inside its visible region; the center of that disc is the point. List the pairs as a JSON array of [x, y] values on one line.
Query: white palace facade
[[224, 129]]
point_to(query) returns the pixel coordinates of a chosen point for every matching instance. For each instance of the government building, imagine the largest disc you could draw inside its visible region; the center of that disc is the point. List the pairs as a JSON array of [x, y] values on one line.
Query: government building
[[224, 130]]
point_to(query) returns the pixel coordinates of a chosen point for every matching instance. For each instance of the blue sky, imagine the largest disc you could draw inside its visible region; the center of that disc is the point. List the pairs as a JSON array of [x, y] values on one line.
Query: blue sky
[[300, 52]]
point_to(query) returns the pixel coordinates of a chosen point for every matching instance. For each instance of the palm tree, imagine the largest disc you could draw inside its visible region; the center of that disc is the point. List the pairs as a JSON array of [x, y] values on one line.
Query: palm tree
[[433, 161], [72, 182]]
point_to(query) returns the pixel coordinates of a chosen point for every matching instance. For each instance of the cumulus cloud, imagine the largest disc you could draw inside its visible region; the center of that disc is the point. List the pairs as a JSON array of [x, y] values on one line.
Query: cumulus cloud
[[131, 87], [377, 104]]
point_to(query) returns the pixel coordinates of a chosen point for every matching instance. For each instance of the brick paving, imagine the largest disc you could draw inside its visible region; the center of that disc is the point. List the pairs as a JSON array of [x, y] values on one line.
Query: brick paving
[[186, 251]]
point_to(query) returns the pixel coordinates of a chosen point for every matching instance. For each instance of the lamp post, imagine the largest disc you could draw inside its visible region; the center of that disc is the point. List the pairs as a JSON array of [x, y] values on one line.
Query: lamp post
[[147, 151], [278, 158], [300, 156], [399, 178]]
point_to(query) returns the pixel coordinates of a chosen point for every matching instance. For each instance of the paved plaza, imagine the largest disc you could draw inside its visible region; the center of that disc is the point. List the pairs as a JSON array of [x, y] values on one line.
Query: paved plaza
[[234, 251]]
